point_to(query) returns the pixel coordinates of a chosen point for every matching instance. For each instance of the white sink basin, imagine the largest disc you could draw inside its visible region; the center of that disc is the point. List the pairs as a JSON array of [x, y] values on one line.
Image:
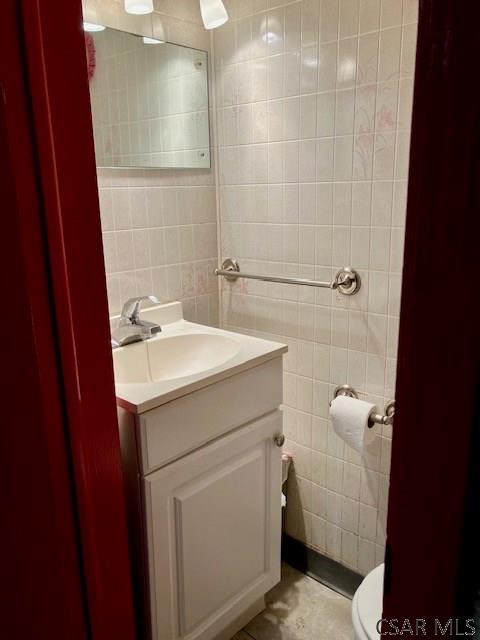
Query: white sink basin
[[184, 357], [172, 357]]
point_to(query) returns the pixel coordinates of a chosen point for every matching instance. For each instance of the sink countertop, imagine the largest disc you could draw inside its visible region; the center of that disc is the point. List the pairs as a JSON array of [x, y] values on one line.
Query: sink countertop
[[139, 397]]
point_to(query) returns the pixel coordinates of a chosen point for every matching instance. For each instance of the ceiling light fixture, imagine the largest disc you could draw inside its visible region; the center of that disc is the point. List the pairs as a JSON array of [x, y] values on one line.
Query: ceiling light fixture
[[139, 7], [91, 26], [213, 13]]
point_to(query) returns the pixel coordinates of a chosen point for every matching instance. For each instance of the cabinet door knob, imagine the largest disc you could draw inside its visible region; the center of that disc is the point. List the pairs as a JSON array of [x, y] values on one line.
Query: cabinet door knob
[[279, 440]]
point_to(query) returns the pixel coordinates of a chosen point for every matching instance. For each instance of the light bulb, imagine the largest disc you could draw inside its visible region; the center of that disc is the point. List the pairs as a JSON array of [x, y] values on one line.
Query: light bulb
[[91, 26], [139, 7], [213, 13]]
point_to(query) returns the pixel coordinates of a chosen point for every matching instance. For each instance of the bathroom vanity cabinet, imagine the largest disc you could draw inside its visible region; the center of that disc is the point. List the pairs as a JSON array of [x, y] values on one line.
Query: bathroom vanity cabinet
[[203, 482], [213, 529]]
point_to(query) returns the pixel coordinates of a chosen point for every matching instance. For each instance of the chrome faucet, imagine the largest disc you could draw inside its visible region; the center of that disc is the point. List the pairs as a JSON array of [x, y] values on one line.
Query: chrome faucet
[[131, 328]]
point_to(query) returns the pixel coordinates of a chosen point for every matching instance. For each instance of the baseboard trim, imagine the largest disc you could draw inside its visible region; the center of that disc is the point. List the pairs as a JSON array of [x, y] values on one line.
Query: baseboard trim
[[325, 570]]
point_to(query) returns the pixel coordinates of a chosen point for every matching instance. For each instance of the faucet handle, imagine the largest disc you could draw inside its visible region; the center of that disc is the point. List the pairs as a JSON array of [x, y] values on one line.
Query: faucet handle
[[131, 307]]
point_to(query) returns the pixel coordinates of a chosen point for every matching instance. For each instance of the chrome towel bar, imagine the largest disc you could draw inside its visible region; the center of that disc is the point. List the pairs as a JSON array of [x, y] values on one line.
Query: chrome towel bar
[[346, 281], [374, 417]]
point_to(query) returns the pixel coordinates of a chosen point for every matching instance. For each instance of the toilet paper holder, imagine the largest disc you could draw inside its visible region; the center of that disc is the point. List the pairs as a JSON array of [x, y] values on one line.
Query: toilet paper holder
[[374, 417]]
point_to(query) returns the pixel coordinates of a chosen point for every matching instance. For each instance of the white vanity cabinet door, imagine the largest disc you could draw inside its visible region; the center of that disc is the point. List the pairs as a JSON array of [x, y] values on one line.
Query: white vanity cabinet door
[[213, 521]]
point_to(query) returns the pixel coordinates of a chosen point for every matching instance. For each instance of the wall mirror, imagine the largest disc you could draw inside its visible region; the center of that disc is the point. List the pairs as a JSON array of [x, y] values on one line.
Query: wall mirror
[[149, 102]]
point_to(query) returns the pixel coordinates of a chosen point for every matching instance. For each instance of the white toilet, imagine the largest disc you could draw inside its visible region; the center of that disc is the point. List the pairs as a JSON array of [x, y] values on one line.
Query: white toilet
[[367, 605]]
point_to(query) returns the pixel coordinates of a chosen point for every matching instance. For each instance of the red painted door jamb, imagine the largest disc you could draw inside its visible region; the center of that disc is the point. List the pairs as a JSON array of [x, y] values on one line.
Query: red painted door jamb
[[42, 583], [438, 360], [57, 75]]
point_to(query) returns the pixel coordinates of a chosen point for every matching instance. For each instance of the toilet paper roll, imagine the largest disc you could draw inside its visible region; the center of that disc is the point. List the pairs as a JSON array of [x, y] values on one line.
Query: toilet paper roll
[[350, 421]]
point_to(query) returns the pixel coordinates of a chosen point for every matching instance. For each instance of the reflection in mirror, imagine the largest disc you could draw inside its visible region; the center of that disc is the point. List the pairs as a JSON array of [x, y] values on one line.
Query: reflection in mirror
[[149, 102]]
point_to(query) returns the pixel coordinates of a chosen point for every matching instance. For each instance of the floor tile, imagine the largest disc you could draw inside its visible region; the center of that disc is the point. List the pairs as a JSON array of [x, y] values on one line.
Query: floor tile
[[300, 608]]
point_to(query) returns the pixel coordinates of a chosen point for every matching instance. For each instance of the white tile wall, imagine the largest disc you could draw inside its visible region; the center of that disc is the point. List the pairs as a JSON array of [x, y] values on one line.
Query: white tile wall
[[159, 236], [159, 226], [313, 115]]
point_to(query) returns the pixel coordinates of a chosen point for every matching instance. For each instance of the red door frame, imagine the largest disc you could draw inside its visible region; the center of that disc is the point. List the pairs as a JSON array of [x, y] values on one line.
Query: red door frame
[[42, 594], [52, 43], [438, 360]]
